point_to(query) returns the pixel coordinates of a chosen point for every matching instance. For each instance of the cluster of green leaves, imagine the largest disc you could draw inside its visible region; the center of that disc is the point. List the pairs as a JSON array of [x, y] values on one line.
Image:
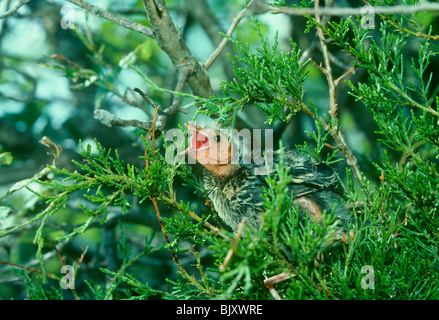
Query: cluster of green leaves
[[268, 77], [104, 181], [403, 106], [400, 223]]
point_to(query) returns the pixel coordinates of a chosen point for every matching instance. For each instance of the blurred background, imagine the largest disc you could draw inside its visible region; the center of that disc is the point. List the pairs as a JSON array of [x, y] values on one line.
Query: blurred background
[[38, 99]]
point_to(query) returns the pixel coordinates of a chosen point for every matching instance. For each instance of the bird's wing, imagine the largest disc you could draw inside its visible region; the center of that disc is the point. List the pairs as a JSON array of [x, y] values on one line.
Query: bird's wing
[[307, 176], [311, 177]]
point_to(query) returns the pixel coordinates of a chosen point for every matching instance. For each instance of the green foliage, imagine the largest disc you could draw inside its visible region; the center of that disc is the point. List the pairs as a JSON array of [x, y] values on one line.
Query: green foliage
[[267, 77], [270, 78], [396, 226]]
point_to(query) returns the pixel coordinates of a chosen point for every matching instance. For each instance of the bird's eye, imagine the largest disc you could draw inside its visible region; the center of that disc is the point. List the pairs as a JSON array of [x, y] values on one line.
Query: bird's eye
[[217, 138]]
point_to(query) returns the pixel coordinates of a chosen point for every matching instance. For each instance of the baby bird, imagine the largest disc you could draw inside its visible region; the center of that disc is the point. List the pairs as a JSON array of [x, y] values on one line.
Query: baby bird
[[235, 189]]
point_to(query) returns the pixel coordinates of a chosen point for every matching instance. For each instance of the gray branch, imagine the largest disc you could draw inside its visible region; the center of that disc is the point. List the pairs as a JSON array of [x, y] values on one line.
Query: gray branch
[[13, 9], [337, 11], [170, 40], [100, 12]]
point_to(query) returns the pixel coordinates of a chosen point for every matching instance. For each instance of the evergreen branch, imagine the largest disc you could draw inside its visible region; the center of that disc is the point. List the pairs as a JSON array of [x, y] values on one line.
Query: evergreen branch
[[183, 271], [173, 203], [411, 102], [408, 31], [111, 16], [162, 226]]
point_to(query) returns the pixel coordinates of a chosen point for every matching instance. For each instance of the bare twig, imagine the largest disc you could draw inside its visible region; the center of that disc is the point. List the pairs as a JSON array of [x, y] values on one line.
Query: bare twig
[[328, 69], [201, 12], [335, 130], [100, 12], [244, 12], [148, 99], [229, 255], [340, 11], [351, 70], [49, 275], [319, 66], [81, 258], [171, 110], [253, 7], [270, 282], [13, 9], [183, 76], [110, 120]]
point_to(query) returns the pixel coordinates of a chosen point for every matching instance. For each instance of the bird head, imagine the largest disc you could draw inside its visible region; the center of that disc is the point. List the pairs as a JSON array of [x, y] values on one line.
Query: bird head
[[211, 148]]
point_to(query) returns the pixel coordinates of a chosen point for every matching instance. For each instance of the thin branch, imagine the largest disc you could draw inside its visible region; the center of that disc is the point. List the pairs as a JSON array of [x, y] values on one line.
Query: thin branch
[[328, 69], [410, 100], [337, 132], [253, 7], [159, 121], [13, 9], [319, 66], [201, 12], [148, 99], [110, 120], [183, 76], [49, 275], [351, 70], [340, 11], [100, 12], [270, 282], [229, 255], [177, 206], [244, 12]]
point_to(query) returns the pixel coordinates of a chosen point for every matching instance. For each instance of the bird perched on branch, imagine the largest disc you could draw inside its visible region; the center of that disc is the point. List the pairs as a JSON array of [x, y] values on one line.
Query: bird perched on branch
[[236, 189]]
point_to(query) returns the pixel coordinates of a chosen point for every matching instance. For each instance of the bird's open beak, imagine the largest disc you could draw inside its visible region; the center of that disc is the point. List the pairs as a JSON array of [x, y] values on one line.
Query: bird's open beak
[[199, 140]]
